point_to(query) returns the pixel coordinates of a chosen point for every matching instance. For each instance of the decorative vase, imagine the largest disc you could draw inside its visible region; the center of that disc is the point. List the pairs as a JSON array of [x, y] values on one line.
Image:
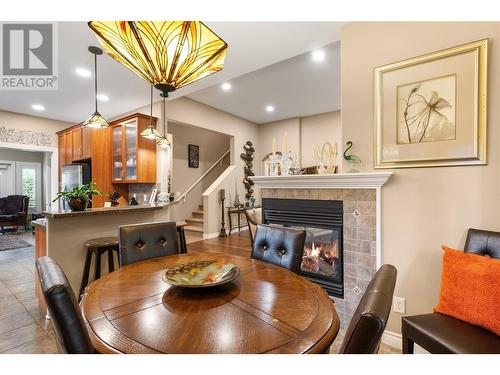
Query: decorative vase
[[237, 200], [77, 204]]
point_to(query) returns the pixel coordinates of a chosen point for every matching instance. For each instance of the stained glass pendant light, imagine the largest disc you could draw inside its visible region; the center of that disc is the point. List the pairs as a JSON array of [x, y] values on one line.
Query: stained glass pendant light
[[96, 120], [167, 54], [150, 132]]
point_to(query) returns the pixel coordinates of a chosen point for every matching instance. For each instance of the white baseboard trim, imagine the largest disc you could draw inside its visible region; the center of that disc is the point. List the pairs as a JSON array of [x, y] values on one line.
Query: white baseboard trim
[[395, 340], [208, 236]]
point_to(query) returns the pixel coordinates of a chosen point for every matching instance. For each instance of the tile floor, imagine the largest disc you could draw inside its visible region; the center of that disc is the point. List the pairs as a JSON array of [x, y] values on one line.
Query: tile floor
[[24, 330]]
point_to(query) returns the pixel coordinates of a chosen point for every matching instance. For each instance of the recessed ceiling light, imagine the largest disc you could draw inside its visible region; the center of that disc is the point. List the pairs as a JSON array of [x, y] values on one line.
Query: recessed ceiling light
[[102, 97], [318, 55], [38, 107], [226, 86], [269, 108], [82, 72]]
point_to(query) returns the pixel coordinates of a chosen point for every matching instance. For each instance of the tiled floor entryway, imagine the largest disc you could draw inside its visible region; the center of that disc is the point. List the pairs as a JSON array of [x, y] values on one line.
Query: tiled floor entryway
[[23, 329]]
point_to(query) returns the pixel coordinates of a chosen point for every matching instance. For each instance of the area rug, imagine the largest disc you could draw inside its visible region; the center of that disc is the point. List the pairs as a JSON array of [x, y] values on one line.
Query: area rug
[[11, 242]]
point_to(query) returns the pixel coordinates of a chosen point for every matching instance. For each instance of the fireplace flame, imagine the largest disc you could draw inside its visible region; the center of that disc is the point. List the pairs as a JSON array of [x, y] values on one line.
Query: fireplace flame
[[314, 250]]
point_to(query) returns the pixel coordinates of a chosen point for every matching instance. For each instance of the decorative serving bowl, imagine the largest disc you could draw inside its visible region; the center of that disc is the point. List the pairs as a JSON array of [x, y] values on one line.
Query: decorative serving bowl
[[201, 274]]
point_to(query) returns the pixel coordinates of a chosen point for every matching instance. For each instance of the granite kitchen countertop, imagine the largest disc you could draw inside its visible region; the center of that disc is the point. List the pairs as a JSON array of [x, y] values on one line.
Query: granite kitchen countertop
[[57, 213]]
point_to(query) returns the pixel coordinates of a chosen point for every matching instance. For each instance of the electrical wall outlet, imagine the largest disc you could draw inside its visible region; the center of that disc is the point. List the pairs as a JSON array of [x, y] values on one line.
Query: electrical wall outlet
[[399, 305]]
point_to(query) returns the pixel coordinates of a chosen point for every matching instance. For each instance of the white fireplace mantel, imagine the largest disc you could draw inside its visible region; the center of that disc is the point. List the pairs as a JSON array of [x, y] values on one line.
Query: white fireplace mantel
[[369, 180]]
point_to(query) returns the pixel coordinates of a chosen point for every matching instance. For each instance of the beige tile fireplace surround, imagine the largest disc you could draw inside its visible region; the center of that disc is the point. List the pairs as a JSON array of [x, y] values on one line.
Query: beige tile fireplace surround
[[361, 196]]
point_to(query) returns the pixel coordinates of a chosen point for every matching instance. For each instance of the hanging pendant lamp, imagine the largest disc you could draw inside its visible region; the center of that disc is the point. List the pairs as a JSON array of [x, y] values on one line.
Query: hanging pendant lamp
[[163, 140], [150, 132], [96, 120], [167, 54]]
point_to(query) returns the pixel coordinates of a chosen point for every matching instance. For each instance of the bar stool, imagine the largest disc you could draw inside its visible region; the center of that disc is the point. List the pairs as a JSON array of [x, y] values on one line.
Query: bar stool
[[98, 246], [182, 236]]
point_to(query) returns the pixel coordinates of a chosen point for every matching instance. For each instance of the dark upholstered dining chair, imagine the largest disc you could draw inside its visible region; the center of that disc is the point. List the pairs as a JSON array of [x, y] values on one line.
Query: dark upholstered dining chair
[[145, 241], [71, 333], [279, 245], [443, 334], [370, 318]]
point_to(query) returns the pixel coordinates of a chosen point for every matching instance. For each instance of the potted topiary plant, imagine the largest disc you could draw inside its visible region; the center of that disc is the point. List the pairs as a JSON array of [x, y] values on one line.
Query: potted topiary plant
[[79, 197]]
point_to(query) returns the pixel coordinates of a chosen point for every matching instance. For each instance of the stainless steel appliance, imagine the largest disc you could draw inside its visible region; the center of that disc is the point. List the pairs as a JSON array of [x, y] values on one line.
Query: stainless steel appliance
[[74, 175]]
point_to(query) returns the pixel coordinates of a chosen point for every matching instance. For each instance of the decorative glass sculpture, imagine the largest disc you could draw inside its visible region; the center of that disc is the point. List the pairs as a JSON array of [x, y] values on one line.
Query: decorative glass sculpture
[[275, 164]]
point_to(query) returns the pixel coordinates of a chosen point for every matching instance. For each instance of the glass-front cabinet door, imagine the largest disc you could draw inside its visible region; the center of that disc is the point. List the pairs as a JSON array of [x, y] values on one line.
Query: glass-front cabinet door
[[117, 153], [130, 139]]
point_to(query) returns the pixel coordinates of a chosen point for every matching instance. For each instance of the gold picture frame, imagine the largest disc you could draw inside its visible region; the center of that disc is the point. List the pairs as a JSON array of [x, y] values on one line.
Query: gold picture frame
[[431, 110]]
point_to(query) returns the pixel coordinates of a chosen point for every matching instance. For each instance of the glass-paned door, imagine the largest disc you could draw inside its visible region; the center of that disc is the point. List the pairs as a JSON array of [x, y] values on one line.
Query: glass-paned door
[[117, 154], [29, 182], [131, 150], [7, 181]]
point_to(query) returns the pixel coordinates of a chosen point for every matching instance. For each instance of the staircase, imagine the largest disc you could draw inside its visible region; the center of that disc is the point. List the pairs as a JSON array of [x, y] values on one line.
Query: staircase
[[194, 227]]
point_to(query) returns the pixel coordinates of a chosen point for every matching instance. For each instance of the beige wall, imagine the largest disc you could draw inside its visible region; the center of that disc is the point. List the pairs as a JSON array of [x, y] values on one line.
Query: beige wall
[[303, 135], [422, 207], [189, 112], [36, 124], [212, 146], [318, 129]]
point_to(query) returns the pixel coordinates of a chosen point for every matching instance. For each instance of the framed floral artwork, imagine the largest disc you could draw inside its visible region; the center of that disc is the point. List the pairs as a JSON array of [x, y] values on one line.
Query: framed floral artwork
[[431, 110]]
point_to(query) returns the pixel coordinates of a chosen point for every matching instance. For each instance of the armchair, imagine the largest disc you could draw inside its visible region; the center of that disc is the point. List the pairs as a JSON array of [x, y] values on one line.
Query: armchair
[[14, 211]]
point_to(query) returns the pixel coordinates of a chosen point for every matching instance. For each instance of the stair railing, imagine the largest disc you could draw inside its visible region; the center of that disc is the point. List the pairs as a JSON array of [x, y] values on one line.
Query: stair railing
[[183, 196]]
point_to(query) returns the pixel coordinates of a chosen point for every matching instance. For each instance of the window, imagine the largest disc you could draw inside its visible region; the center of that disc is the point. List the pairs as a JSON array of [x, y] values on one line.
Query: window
[[28, 186]]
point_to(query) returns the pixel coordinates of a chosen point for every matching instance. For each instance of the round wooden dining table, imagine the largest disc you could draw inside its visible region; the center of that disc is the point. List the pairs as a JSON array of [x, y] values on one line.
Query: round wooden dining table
[[268, 309]]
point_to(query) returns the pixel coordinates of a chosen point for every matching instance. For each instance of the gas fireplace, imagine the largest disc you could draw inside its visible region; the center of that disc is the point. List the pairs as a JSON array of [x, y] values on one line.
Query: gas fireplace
[[322, 258]]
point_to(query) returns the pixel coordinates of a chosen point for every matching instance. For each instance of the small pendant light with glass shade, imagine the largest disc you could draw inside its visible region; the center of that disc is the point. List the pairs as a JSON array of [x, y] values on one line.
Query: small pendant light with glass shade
[[150, 132], [96, 120], [163, 140]]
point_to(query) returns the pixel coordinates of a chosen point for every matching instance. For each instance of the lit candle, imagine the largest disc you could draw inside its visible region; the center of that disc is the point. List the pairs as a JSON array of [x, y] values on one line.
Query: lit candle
[[274, 145], [285, 142]]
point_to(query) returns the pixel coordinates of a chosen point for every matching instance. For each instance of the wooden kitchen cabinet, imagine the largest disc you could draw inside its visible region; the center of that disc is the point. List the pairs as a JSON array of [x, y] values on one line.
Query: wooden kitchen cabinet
[[76, 138], [86, 143], [133, 157], [68, 144]]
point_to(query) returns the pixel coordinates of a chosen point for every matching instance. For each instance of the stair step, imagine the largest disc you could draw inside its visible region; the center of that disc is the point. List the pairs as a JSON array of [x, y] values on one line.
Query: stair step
[[194, 220], [191, 228], [200, 207], [197, 214]]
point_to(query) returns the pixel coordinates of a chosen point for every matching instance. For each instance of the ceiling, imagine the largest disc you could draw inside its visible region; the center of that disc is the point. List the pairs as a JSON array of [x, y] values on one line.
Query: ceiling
[[296, 87], [252, 46]]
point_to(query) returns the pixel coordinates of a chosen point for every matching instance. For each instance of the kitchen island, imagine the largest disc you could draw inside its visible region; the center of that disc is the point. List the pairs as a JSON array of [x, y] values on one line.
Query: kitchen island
[[62, 234]]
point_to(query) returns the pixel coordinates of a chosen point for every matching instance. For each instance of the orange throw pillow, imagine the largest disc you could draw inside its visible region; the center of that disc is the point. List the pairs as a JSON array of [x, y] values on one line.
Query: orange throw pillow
[[470, 289]]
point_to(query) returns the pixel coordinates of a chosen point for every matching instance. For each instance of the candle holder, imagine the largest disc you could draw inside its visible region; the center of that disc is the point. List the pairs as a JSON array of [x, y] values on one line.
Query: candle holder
[[275, 163], [286, 163], [222, 232]]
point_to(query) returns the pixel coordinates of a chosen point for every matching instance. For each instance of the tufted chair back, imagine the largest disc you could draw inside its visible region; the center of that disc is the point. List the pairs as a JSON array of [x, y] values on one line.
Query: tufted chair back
[[149, 240], [370, 318], [279, 245], [483, 242], [71, 333]]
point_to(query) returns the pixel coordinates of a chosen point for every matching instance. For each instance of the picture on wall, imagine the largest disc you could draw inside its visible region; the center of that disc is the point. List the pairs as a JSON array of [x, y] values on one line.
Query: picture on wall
[[193, 156], [431, 110], [426, 111]]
